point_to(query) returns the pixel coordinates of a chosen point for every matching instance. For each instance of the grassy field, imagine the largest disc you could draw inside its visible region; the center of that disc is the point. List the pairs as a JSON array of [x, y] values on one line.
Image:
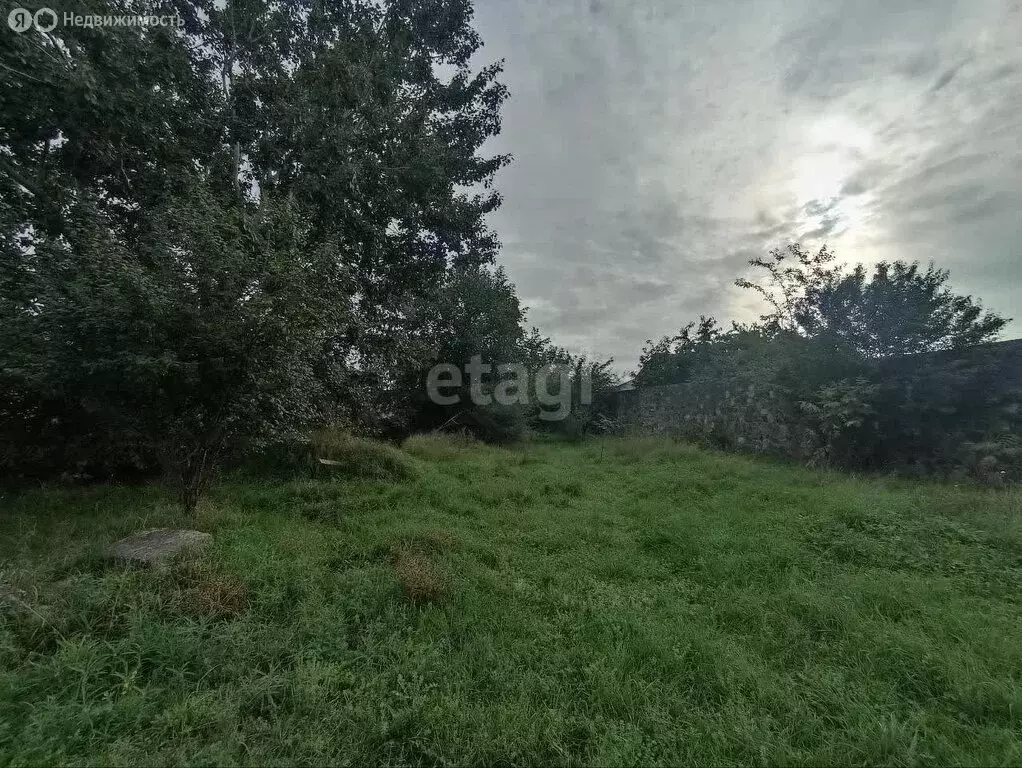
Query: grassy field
[[614, 603]]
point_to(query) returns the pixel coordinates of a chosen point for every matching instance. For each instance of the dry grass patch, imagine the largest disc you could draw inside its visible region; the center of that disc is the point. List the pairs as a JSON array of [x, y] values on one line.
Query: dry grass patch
[[421, 580], [220, 599], [204, 592], [440, 540]]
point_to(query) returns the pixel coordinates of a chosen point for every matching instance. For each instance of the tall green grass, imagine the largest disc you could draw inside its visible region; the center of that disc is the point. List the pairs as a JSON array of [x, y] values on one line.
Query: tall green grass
[[619, 602]]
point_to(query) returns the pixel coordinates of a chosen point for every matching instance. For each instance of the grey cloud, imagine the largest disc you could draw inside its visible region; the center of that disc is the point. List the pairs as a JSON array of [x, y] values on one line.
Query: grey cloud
[[658, 146], [843, 43], [946, 77]]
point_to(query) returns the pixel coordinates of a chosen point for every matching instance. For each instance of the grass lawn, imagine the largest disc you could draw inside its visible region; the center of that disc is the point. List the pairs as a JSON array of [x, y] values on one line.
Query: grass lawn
[[626, 602]]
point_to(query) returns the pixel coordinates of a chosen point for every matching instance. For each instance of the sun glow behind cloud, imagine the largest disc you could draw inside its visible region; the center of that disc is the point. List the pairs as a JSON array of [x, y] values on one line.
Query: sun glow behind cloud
[[835, 151], [660, 145]]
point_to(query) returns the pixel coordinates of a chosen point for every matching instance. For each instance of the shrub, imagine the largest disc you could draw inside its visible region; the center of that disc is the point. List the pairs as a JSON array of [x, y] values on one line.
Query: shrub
[[842, 419], [603, 424], [496, 424], [996, 459]]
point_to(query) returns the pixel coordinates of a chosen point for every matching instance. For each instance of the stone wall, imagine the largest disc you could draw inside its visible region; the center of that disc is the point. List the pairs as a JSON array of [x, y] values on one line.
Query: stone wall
[[973, 394], [749, 416], [659, 410]]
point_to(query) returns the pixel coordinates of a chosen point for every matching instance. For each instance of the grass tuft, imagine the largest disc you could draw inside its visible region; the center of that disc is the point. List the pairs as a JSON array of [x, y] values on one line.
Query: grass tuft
[[421, 581], [444, 447], [359, 457], [215, 596]]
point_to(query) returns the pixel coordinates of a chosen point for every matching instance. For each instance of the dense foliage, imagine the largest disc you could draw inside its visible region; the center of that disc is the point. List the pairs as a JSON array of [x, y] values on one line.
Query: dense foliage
[[884, 370], [216, 236], [898, 309]]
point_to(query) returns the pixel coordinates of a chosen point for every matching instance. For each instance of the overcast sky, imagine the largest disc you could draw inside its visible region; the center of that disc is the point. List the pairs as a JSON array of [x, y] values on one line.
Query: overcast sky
[[660, 144]]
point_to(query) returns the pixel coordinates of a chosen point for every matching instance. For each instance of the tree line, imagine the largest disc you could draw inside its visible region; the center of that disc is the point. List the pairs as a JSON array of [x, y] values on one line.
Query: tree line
[[217, 236]]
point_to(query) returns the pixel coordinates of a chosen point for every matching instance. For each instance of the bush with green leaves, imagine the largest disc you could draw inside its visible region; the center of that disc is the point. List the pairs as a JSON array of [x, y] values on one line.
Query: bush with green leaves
[[890, 371], [841, 424], [995, 459], [201, 342]]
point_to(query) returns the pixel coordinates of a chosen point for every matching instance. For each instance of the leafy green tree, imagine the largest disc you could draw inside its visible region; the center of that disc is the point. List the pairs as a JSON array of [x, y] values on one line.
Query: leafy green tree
[[102, 132], [475, 312], [671, 359], [209, 233], [898, 309], [343, 107], [204, 341], [793, 275]]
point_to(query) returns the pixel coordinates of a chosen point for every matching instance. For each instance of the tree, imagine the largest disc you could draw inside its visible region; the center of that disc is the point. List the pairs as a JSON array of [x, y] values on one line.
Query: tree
[[342, 106], [793, 276], [204, 230], [475, 312], [203, 341], [670, 360], [899, 309]]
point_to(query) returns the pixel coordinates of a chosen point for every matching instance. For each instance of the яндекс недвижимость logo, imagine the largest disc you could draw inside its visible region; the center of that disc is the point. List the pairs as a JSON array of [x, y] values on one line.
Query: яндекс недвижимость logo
[[46, 19]]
